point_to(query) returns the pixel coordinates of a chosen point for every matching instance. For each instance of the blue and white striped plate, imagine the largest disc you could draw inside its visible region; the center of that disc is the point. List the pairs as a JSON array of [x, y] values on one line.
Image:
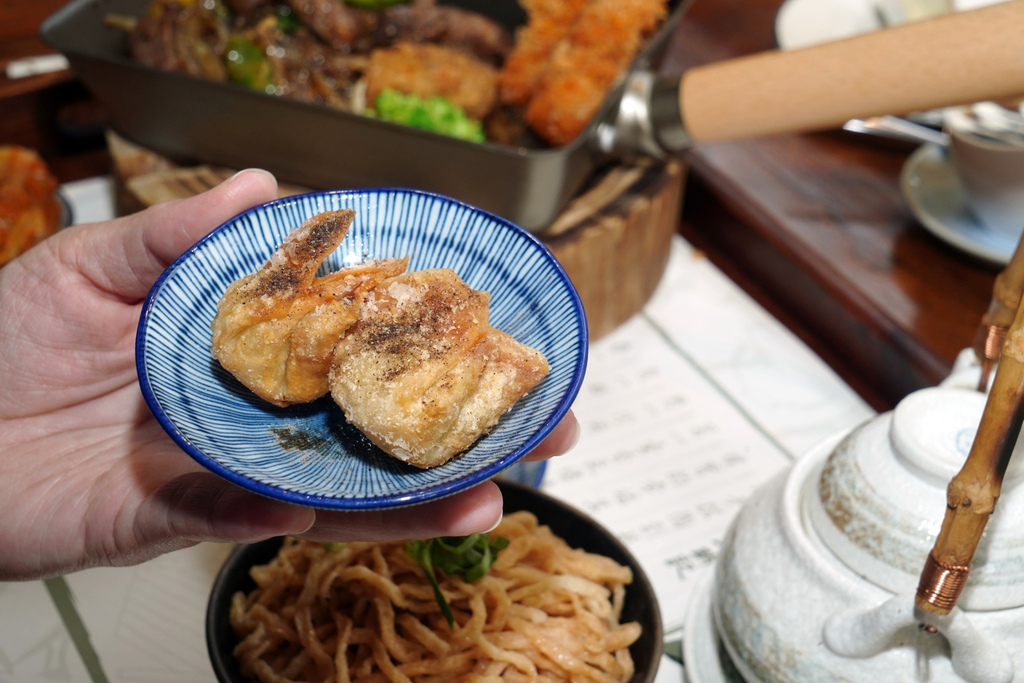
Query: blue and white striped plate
[[309, 454]]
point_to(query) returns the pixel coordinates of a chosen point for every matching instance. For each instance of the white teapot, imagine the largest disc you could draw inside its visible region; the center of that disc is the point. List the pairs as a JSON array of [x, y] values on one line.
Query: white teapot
[[816, 577]]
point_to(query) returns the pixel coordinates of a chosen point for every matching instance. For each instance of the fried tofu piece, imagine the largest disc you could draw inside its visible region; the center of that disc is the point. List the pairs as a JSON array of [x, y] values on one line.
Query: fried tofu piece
[[427, 70]]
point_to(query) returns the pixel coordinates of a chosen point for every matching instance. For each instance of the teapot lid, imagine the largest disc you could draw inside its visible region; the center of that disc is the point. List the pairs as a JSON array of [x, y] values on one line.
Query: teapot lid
[[881, 497]]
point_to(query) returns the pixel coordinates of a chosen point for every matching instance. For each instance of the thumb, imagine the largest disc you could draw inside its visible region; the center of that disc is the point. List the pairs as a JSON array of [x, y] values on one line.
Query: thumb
[[172, 227], [126, 256]]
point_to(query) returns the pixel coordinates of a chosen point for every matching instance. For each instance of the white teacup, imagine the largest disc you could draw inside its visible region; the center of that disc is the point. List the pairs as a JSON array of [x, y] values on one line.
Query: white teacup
[[991, 171]]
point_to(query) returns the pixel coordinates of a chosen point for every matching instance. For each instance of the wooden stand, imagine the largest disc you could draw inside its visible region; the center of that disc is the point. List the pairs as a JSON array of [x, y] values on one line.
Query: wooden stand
[[613, 239]]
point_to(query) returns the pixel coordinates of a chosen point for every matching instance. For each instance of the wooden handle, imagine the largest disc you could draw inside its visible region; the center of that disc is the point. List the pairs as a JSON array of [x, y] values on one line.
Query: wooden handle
[[1006, 291], [972, 494], [954, 59], [1006, 296]]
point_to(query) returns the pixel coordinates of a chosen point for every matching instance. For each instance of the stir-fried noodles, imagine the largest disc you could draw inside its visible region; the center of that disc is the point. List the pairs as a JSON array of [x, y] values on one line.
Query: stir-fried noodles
[[366, 612]]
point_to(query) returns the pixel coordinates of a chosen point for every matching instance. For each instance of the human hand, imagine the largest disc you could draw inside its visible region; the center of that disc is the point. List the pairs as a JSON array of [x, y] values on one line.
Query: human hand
[[90, 477]]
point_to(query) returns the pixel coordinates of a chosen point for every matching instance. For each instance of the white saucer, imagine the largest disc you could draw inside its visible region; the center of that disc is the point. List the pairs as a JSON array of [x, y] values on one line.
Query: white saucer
[[800, 23], [704, 657], [933, 190]]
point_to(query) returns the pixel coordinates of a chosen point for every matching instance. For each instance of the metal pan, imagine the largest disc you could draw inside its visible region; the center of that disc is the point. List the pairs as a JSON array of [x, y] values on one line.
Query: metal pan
[[959, 58]]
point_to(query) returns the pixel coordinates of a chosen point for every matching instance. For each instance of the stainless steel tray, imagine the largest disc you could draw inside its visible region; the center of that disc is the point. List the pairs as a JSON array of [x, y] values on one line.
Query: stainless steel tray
[[959, 58], [317, 147]]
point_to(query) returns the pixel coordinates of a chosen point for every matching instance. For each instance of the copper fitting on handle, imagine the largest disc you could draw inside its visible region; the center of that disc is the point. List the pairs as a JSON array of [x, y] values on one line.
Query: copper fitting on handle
[[988, 344], [940, 585]]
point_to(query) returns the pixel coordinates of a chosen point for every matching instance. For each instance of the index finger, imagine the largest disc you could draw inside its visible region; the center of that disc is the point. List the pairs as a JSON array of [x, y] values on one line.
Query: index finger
[[561, 440]]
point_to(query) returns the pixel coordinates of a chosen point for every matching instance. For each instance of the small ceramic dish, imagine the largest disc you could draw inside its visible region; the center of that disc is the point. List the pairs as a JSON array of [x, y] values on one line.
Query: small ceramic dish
[[936, 196], [579, 530], [308, 453]]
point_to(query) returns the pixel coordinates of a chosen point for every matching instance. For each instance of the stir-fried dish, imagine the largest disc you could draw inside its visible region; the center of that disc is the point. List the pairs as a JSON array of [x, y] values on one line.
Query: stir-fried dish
[[415, 62]]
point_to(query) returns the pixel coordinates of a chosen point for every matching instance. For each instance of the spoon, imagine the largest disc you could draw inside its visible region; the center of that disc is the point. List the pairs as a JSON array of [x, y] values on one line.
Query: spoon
[[989, 121], [897, 128]]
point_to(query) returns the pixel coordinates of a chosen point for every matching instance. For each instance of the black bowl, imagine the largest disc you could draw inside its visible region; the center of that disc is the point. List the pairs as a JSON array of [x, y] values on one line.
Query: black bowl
[[579, 530]]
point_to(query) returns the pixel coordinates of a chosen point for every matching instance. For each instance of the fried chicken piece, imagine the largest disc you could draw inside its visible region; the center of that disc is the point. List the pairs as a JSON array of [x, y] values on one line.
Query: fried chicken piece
[[598, 49], [549, 22], [275, 330], [423, 374], [427, 70]]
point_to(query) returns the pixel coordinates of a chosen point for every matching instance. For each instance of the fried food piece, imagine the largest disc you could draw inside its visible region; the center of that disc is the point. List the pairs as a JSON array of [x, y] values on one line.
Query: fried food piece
[[549, 23], [275, 330], [411, 358], [423, 374], [598, 49], [29, 210], [427, 70]]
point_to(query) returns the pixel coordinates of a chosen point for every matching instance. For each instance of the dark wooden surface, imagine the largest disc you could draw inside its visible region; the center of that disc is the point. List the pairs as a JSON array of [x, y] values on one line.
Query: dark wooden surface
[[813, 226], [50, 113]]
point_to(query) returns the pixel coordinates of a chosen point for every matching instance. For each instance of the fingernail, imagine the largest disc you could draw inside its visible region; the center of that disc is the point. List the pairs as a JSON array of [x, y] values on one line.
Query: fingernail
[[252, 170], [576, 436], [473, 516], [468, 525], [496, 523], [312, 521]]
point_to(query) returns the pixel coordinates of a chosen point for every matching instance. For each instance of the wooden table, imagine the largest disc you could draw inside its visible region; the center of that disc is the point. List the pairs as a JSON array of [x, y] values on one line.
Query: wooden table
[[813, 226], [51, 113]]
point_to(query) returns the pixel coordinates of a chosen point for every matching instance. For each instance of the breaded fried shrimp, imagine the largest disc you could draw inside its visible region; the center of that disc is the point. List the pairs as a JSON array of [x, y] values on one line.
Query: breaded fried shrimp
[[598, 49], [549, 23]]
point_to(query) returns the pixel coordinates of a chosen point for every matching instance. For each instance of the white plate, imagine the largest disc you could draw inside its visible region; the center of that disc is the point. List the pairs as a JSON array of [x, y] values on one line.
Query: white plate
[[936, 196], [704, 657], [800, 23]]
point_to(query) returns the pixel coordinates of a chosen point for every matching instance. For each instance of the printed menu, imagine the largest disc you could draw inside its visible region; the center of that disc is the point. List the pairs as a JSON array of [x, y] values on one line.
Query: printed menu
[[664, 460]]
